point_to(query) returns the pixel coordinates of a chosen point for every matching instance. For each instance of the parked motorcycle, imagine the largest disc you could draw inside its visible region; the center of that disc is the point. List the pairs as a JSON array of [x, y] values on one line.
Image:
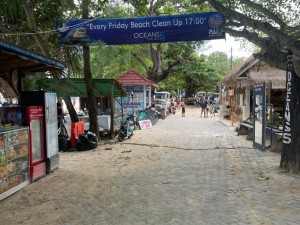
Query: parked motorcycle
[[161, 112], [172, 110], [155, 111], [126, 129]]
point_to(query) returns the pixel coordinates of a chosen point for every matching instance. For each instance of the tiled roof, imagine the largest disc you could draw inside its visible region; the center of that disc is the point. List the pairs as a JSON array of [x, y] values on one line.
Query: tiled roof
[[132, 77]]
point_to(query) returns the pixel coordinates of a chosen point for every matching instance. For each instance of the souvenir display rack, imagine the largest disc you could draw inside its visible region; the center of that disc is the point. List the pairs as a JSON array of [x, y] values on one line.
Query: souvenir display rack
[[14, 160]]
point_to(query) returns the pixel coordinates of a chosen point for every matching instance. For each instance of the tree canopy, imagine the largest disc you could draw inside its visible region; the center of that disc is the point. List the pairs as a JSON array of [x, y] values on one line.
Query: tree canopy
[[273, 25], [199, 73], [274, 29]]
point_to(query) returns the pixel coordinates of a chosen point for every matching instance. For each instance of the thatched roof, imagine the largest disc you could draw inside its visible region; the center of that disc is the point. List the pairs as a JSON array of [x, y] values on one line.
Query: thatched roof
[[268, 74], [257, 72], [240, 69]]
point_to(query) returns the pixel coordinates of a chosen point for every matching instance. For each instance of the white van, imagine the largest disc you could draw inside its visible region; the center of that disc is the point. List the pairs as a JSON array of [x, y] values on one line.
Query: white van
[[163, 99]]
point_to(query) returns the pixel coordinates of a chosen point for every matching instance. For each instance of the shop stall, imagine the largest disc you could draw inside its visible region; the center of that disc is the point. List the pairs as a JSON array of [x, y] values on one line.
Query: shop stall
[[77, 88], [138, 89], [237, 89], [22, 152]]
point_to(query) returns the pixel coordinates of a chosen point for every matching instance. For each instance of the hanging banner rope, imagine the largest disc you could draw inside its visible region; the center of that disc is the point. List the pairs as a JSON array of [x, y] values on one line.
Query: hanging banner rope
[[160, 29]]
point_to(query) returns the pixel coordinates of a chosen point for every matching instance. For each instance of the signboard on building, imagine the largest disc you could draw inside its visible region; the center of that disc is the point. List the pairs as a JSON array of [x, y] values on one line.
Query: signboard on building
[[290, 136], [134, 101]]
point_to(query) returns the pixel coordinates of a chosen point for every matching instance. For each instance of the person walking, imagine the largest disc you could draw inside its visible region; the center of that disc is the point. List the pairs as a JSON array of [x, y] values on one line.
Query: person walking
[[182, 108], [203, 106], [212, 109], [60, 115], [177, 102]]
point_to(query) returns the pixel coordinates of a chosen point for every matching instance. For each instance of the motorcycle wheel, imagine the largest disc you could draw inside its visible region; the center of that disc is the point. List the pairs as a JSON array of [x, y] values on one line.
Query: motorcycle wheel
[[121, 137], [130, 135]]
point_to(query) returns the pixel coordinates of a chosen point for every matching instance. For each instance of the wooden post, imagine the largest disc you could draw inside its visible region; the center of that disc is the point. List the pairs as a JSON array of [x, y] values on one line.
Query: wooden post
[[112, 113]]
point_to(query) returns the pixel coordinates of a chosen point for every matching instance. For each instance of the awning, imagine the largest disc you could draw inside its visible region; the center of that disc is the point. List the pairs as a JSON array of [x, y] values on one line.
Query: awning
[[14, 57], [76, 87]]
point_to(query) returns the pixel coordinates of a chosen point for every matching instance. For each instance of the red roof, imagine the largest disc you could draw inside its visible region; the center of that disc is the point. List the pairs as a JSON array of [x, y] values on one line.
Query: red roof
[[132, 77]]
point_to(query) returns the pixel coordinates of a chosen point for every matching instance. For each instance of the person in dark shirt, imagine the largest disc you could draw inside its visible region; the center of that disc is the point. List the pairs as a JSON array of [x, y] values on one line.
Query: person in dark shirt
[[203, 106]]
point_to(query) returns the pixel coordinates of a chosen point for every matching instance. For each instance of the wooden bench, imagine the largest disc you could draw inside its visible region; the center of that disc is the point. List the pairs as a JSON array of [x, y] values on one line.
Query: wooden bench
[[246, 129]]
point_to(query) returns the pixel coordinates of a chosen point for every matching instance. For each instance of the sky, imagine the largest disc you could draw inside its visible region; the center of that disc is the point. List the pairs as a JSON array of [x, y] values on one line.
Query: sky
[[226, 45]]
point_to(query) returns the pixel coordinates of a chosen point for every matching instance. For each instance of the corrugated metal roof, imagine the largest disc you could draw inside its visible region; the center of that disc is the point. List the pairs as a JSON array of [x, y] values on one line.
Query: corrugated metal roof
[[77, 87], [15, 57], [132, 77]]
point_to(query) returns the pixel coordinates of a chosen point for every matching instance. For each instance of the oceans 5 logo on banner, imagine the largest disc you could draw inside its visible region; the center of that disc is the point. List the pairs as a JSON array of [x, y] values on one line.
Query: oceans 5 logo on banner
[[215, 23], [150, 36]]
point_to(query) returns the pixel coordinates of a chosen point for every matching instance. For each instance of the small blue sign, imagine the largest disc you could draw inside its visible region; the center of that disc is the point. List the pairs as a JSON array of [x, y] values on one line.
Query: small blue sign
[[160, 29]]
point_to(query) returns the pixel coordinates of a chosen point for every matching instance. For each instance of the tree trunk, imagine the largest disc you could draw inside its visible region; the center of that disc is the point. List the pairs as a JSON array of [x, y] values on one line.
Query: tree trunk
[[91, 100], [290, 154], [72, 112], [88, 79], [189, 90], [56, 75], [157, 73]]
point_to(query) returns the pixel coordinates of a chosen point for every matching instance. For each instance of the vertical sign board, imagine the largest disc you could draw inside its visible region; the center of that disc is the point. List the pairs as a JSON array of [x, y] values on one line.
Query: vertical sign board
[[291, 129], [156, 29], [287, 131], [259, 118]]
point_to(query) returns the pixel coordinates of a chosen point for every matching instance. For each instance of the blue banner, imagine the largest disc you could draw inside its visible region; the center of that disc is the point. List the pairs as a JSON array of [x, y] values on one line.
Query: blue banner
[[160, 29]]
